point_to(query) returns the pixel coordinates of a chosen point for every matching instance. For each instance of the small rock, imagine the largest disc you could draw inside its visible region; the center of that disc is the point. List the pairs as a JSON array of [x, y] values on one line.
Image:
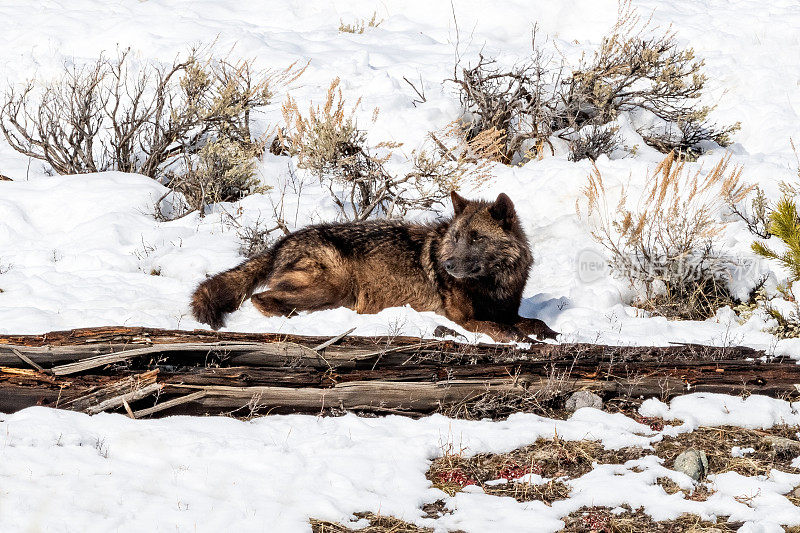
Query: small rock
[[782, 445], [583, 398], [693, 463]]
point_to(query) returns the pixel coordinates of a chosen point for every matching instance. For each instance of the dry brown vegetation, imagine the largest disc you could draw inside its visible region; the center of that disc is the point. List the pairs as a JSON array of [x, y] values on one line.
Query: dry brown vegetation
[[700, 492], [775, 448], [602, 520], [187, 123], [328, 141], [554, 458], [377, 524], [635, 68], [663, 239], [361, 25]]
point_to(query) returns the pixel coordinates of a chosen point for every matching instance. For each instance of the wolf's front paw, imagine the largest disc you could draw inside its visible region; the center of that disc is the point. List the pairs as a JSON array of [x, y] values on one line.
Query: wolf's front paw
[[535, 327]]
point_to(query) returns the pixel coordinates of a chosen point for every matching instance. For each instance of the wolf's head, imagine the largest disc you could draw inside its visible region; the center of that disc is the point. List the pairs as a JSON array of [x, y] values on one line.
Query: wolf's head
[[484, 239]]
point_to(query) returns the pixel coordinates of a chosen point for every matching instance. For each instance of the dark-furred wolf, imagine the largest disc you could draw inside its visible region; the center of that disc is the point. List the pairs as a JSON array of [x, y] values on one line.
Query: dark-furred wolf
[[471, 268]]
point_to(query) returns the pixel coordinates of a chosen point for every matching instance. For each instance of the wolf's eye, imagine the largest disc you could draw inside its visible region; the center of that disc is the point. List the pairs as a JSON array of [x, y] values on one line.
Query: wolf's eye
[[474, 237]]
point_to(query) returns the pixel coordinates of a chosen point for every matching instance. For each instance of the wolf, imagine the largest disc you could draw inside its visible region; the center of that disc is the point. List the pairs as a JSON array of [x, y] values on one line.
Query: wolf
[[471, 268]]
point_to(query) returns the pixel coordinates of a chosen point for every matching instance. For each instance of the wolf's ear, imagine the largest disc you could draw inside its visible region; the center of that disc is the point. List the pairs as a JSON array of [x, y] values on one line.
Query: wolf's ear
[[502, 210], [459, 202]]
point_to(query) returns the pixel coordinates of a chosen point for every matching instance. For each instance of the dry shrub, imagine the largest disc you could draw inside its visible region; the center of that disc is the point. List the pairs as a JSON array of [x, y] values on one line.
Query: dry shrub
[[757, 216], [377, 524], [663, 241], [592, 142], [328, 141], [519, 102], [223, 171], [119, 115], [603, 520], [360, 26], [187, 123], [634, 69]]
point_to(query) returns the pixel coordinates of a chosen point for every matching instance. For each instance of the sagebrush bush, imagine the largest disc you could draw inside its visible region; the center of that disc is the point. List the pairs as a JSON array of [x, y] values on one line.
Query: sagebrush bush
[[118, 114], [223, 171], [664, 240], [329, 142], [519, 102], [634, 69]]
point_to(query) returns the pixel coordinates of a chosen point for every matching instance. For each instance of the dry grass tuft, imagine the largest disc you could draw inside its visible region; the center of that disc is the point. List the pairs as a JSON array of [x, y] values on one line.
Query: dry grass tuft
[[523, 492], [359, 26], [664, 241]]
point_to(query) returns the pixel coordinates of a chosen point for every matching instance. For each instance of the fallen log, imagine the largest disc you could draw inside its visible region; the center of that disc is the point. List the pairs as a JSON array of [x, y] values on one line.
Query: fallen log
[[153, 372]]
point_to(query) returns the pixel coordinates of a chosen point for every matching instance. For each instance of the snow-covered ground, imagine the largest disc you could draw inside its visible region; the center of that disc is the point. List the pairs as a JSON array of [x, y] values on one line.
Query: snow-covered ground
[[80, 251], [64, 471]]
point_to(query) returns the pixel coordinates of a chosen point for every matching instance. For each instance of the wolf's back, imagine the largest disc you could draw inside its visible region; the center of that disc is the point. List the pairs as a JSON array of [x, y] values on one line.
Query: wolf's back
[[225, 292]]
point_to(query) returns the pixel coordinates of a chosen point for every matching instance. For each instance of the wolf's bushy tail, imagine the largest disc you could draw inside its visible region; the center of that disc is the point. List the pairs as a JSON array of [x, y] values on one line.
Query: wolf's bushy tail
[[225, 292]]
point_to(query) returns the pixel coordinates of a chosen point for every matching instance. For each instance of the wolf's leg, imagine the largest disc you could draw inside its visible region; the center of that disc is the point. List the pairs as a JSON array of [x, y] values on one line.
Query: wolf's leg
[[289, 302], [310, 282], [534, 326]]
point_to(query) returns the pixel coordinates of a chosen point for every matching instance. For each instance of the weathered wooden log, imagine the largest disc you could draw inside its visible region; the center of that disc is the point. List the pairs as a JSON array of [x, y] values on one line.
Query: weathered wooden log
[[206, 372]]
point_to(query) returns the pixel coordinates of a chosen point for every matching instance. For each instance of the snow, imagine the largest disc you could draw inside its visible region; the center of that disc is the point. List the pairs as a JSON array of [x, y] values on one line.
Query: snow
[[67, 471], [81, 251], [720, 409]]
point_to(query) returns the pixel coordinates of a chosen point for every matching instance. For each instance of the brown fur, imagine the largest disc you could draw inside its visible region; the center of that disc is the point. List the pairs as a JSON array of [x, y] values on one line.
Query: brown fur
[[471, 269]]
